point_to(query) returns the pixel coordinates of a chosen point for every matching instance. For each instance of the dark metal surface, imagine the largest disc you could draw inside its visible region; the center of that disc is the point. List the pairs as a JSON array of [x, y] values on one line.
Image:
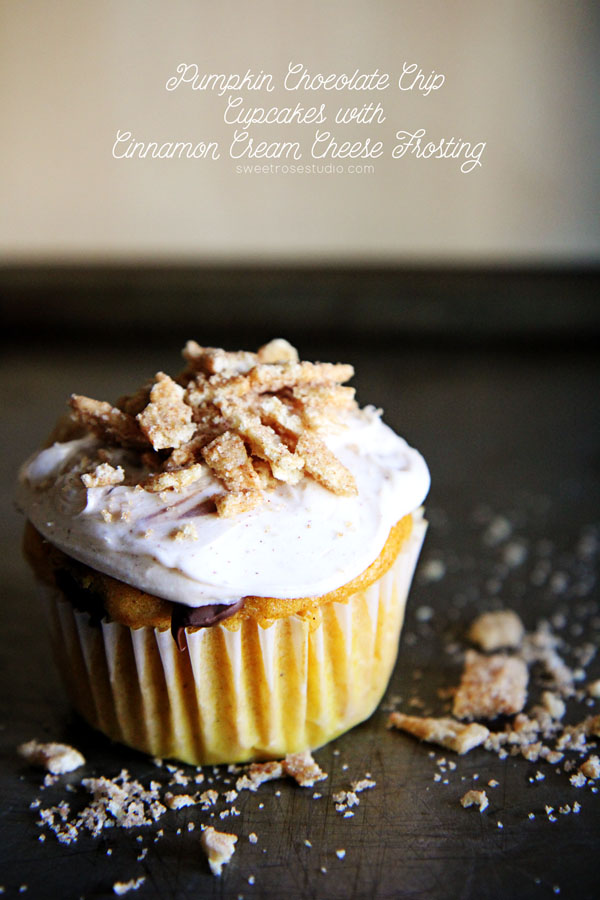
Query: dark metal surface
[[505, 435]]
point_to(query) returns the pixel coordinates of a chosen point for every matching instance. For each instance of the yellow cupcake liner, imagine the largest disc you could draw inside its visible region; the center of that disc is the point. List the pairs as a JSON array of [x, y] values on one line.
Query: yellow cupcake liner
[[250, 694]]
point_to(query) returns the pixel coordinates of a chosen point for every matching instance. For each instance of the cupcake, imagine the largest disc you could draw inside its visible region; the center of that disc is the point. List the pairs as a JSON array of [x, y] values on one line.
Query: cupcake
[[225, 556]]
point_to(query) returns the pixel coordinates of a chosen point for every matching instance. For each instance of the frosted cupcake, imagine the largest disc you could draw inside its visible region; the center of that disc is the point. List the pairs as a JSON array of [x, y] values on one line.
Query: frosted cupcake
[[226, 556]]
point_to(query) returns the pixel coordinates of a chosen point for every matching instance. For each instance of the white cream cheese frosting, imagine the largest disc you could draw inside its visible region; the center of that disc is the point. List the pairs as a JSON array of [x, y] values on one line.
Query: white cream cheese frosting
[[301, 541]]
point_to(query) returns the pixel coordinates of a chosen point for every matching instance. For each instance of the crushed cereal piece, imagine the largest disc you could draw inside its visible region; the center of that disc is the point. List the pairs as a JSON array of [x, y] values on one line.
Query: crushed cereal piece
[[253, 838], [56, 758], [475, 798], [495, 630], [490, 686], [444, 731], [363, 784], [179, 801], [591, 768], [303, 768], [257, 773], [107, 422], [593, 689], [277, 351], [209, 798], [174, 479], [236, 502], [340, 853], [324, 467], [167, 419], [187, 532], [219, 847], [578, 780], [553, 703], [214, 361], [267, 444], [103, 475], [250, 419], [123, 887], [228, 458]]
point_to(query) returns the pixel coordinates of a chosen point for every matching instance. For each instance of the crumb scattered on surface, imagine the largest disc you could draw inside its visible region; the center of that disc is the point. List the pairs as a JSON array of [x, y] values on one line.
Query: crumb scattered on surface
[[124, 887], [219, 847], [303, 768], [491, 686], [444, 731], [475, 798], [257, 774], [497, 630], [593, 689], [56, 758]]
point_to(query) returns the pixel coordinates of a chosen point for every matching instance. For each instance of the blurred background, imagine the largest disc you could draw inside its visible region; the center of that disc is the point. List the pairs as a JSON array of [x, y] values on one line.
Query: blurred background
[[414, 248], [521, 76]]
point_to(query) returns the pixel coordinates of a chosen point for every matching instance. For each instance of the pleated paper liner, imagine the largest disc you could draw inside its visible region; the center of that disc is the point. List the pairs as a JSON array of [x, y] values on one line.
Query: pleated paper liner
[[251, 694]]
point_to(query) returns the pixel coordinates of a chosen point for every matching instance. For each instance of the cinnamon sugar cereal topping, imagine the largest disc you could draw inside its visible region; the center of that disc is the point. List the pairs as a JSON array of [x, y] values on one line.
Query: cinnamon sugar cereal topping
[[491, 686], [444, 731], [249, 418]]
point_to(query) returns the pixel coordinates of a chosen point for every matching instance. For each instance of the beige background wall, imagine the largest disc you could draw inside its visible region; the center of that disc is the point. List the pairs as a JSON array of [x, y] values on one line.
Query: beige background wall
[[521, 75]]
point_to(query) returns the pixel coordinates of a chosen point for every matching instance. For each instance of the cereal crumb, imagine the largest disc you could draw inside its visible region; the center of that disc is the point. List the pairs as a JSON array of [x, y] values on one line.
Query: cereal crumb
[[340, 853], [444, 731], [490, 686], [578, 780], [253, 838], [219, 848], [303, 768], [56, 758], [593, 689], [475, 798], [179, 801], [432, 570], [363, 784], [257, 773], [591, 768], [103, 475], [553, 704], [123, 887], [497, 630]]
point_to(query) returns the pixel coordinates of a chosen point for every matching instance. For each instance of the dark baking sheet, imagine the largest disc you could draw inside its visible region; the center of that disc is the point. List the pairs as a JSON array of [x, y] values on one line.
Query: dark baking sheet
[[506, 434]]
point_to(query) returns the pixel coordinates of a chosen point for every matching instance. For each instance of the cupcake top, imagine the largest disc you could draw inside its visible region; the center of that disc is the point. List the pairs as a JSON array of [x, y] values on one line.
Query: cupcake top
[[246, 474]]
